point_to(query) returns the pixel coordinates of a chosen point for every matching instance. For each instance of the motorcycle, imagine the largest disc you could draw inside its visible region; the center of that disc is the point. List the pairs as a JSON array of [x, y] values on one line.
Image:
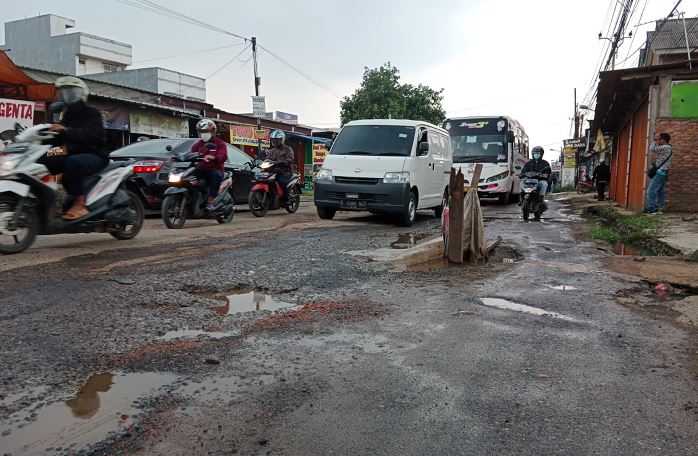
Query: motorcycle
[[28, 197], [267, 193], [531, 203], [187, 196], [585, 187]]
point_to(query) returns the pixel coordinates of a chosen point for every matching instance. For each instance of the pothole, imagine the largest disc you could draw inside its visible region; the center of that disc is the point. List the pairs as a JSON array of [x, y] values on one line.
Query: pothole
[[106, 403], [632, 250], [504, 304], [409, 240], [244, 300], [562, 287], [194, 333]]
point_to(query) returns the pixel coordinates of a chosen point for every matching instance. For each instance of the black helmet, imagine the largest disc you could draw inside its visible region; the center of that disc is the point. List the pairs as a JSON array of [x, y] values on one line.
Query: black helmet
[[538, 150]]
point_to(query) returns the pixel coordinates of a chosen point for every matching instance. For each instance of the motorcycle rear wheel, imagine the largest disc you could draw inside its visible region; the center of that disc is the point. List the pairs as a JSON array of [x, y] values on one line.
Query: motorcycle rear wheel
[[259, 203], [174, 211], [123, 233], [222, 219], [294, 198], [8, 203]]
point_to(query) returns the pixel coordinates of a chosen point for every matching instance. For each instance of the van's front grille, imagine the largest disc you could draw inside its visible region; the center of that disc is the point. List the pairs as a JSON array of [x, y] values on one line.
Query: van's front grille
[[370, 197], [357, 180]]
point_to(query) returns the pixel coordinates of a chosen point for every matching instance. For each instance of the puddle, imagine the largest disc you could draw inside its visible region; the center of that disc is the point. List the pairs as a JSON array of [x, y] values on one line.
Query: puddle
[[510, 305], [563, 287], [194, 333], [106, 403], [247, 301], [628, 250], [409, 240]]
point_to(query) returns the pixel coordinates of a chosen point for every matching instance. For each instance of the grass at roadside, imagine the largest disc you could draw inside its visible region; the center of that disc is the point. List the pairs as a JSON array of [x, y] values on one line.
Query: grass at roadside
[[609, 226]]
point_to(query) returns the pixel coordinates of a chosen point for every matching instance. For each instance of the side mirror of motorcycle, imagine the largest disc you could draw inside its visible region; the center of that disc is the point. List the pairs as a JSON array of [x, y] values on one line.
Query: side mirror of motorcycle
[[168, 148]]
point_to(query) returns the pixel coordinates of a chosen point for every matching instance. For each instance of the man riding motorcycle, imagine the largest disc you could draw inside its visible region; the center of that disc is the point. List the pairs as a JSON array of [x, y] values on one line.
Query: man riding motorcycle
[[81, 132], [284, 157], [215, 153], [537, 164]]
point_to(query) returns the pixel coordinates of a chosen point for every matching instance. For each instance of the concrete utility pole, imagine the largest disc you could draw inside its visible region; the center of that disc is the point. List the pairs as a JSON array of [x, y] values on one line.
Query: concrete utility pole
[[576, 116], [257, 82]]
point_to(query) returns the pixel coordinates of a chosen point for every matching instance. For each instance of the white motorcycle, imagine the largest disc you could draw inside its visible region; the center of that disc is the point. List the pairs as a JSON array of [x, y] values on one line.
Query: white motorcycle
[[28, 197]]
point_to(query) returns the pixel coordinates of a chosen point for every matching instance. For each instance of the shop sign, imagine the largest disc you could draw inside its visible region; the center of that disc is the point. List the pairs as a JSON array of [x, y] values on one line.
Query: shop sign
[[574, 143], [156, 124], [259, 108], [113, 117], [570, 158], [319, 153], [14, 112], [249, 135]]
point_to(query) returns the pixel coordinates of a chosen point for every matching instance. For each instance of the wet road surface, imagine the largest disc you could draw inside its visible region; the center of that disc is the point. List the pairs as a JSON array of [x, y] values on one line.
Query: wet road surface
[[157, 347]]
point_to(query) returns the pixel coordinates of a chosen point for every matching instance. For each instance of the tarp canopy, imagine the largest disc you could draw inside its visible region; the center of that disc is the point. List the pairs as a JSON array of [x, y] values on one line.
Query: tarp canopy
[[15, 84]]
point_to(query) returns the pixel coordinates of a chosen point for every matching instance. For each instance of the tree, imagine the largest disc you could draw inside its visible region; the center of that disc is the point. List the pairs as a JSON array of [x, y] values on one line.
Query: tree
[[381, 96]]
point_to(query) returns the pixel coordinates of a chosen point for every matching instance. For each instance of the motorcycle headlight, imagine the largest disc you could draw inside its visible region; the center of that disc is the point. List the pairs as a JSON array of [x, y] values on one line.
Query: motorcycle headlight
[[175, 178], [324, 175], [397, 178], [265, 165], [7, 164], [528, 189], [498, 177]]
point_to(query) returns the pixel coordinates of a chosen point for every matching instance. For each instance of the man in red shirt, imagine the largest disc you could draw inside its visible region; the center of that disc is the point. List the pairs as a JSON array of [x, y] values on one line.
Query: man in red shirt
[[215, 153]]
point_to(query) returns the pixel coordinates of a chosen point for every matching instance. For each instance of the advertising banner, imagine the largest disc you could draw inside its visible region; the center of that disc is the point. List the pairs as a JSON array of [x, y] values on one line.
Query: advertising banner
[[249, 135], [259, 108], [14, 112], [156, 124], [319, 153]]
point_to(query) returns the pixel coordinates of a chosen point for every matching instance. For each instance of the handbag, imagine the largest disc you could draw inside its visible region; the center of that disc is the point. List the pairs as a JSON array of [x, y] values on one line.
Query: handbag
[[652, 170]]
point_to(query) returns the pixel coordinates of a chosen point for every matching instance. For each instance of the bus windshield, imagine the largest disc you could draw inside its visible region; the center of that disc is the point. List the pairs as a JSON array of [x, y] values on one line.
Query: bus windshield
[[478, 140]]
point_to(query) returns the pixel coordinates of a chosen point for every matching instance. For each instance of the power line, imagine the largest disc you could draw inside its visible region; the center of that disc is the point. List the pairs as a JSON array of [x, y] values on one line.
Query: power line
[[661, 26], [300, 72], [642, 13], [228, 63], [188, 53]]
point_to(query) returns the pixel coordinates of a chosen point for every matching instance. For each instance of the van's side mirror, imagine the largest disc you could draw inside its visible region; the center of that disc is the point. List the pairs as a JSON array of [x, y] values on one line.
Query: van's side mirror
[[423, 149], [328, 144], [510, 137]]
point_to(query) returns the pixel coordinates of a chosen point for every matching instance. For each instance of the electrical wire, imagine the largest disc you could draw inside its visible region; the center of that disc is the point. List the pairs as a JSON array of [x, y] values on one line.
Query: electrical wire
[[642, 13], [188, 53], [228, 63], [300, 72]]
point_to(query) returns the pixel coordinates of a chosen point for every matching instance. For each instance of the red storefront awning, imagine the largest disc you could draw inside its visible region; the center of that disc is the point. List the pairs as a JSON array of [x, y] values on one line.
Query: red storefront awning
[[17, 85]]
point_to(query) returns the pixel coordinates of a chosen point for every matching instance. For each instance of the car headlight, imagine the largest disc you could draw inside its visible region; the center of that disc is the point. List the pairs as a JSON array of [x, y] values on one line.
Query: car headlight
[[498, 177], [324, 175], [8, 164], [175, 178], [397, 178]]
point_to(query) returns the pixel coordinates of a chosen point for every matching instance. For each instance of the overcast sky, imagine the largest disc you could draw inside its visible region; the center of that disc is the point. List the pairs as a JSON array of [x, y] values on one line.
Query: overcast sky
[[492, 57]]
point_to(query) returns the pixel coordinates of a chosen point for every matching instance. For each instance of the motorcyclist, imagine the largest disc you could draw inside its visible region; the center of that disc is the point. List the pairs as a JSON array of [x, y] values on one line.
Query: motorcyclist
[[537, 164], [214, 153], [81, 132], [284, 157]]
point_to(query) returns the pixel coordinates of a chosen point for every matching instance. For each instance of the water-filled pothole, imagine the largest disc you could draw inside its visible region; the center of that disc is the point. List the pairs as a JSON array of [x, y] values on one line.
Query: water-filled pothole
[[504, 304], [563, 287], [194, 333], [632, 250], [409, 240], [106, 403], [246, 300]]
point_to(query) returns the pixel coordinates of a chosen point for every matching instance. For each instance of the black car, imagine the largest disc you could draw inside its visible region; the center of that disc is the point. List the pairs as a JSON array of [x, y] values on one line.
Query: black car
[[151, 171]]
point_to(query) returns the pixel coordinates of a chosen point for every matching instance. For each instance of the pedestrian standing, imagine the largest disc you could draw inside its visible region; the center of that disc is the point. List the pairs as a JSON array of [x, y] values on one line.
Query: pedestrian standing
[[662, 156], [602, 174]]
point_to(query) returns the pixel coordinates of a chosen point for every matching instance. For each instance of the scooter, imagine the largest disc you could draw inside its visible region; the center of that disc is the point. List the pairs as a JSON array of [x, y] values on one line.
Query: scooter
[[585, 186], [530, 203], [28, 197], [186, 197], [267, 193]]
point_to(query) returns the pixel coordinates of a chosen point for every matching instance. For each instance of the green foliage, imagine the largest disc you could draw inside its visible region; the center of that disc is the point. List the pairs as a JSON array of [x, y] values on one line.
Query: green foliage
[[565, 189], [381, 96], [605, 234]]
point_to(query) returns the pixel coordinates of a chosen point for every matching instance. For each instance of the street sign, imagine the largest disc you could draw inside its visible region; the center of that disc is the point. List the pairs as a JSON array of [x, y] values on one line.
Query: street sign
[[259, 108], [574, 143], [286, 117]]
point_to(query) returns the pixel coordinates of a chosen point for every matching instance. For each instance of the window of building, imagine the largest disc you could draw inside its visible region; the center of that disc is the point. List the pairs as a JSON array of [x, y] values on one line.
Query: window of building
[[109, 68], [82, 61]]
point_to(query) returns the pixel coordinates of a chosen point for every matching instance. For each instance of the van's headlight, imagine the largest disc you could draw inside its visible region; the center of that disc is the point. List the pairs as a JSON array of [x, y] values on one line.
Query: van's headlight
[[397, 178], [175, 178], [498, 177], [324, 175]]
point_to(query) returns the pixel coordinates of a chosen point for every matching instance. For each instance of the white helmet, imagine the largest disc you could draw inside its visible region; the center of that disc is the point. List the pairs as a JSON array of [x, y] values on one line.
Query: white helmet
[[71, 89], [206, 129]]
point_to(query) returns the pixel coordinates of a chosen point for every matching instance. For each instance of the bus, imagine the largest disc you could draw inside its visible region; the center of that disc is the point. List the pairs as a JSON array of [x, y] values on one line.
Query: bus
[[498, 143]]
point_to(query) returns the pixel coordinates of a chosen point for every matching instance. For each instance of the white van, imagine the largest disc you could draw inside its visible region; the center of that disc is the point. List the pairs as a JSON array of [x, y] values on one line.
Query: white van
[[385, 166]]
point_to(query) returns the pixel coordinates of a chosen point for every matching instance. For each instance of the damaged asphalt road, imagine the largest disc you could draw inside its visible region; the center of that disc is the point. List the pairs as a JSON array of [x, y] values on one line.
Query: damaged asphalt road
[[143, 350]]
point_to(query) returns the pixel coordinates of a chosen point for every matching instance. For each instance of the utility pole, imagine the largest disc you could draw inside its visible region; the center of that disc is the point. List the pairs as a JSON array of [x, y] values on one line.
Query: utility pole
[[576, 116], [257, 81]]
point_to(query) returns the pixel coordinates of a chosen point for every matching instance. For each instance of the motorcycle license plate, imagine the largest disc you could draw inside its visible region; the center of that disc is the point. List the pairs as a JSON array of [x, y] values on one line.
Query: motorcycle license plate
[[353, 204]]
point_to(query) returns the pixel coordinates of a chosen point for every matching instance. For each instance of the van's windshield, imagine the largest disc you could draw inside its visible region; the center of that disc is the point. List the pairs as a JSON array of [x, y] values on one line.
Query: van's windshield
[[375, 140]]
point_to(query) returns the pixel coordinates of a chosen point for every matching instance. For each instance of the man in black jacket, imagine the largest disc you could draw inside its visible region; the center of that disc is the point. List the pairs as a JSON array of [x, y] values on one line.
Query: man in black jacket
[[540, 166], [602, 174], [81, 133]]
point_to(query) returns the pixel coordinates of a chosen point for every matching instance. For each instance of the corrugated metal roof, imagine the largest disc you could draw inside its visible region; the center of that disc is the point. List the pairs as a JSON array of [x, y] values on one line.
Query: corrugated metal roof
[[671, 34]]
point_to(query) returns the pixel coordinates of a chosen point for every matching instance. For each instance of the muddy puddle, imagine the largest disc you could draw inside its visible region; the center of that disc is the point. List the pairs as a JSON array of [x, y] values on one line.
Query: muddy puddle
[[431, 258], [632, 250], [194, 333], [504, 304], [246, 300], [409, 240], [562, 287], [106, 403]]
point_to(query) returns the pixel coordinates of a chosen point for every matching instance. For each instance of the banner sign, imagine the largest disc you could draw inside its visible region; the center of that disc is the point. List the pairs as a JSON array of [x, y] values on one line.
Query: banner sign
[[286, 117], [249, 135], [259, 108], [14, 112], [319, 153], [156, 124], [113, 117], [570, 158], [576, 143]]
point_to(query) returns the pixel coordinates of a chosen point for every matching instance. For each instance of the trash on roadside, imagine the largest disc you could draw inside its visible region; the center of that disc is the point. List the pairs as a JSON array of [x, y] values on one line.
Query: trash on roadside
[[508, 260], [661, 288]]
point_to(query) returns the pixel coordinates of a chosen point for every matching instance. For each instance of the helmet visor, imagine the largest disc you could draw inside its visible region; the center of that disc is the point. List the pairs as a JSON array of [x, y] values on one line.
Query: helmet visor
[[70, 95]]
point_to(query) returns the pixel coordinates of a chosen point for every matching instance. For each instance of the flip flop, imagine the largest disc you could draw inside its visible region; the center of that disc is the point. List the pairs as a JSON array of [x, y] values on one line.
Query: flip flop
[[72, 215]]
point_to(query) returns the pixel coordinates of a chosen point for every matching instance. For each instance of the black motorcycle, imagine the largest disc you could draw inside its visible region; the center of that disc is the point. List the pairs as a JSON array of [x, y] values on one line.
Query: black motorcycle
[[187, 196], [267, 193], [531, 203]]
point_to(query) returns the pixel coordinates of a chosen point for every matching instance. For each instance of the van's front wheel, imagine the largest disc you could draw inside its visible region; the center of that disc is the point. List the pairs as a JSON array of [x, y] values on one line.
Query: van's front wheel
[[409, 216]]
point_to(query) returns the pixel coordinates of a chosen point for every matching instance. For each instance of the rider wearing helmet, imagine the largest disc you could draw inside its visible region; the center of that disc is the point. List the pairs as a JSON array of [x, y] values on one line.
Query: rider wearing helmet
[[538, 165], [81, 132], [215, 153], [284, 157]]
